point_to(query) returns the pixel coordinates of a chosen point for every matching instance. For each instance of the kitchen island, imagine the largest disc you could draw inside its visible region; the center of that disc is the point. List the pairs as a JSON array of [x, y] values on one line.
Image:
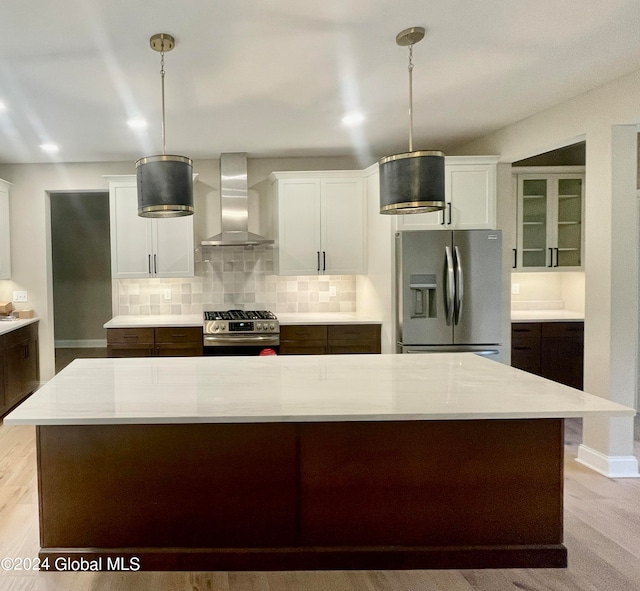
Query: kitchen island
[[310, 462]]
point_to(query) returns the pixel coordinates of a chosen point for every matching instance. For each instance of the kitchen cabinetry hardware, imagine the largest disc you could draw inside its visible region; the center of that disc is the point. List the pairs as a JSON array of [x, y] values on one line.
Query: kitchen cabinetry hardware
[[318, 261], [515, 258], [556, 250], [324, 260], [449, 210], [550, 257]]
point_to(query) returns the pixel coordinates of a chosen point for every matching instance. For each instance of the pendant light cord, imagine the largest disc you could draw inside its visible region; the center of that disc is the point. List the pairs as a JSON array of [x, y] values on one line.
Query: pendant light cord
[[411, 98], [162, 80]]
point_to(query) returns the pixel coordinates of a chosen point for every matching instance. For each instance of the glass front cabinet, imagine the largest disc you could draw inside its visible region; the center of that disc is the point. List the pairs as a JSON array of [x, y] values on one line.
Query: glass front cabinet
[[550, 221]]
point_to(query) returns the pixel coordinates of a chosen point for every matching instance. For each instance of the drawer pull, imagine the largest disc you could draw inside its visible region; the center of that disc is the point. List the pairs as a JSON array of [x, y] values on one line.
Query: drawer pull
[[523, 348]]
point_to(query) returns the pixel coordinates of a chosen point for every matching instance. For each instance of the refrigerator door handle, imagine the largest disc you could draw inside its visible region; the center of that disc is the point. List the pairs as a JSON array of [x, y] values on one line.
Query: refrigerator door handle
[[450, 285], [459, 285]]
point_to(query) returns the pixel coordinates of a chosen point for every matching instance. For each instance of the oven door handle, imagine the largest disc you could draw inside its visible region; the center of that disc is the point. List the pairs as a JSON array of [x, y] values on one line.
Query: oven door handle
[[241, 340]]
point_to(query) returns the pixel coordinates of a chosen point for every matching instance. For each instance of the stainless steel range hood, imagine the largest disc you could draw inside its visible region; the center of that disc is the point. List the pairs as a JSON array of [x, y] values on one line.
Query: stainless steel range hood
[[234, 205]]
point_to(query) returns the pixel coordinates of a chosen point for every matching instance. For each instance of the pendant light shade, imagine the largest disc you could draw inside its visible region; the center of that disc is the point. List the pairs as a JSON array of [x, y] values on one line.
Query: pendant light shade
[[165, 186], [165, 181], [411, 182]]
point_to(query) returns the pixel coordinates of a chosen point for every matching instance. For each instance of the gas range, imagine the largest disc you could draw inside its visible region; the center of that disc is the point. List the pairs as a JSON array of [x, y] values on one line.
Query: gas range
[[240, 321], [240, 332]]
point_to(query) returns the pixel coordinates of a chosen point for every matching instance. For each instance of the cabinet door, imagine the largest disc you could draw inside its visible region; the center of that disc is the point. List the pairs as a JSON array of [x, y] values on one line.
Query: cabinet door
[[342, 226], [173, 247], [131, 239], [22, 367], [299, 251], [5, 241], [569, 229], [550, 221], [470, 195]]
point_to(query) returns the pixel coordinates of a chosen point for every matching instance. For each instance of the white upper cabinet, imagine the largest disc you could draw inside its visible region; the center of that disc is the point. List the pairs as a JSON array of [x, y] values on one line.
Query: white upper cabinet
[[5, 235], [321, 222], [470, 195], [550, 219], [146, 247]]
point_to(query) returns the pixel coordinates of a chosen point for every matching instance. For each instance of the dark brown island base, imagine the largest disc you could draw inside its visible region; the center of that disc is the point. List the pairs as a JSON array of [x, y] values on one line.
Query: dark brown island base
[[338, 463]]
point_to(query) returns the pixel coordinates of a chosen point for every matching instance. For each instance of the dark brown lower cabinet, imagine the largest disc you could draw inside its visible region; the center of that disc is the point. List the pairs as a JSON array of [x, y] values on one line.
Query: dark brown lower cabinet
[[553, 350], [154, 342], [333, 339], [304, 496], [19, 366]]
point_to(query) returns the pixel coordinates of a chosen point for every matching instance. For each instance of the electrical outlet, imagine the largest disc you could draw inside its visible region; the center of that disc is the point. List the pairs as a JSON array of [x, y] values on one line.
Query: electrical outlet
[[166, 293], [515, 288], [20, 296], [332, 291]]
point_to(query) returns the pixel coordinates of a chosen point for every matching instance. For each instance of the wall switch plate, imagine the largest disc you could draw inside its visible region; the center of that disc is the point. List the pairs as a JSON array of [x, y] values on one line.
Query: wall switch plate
[[166, 293], [20, 296], [332, 291], [515, 288]]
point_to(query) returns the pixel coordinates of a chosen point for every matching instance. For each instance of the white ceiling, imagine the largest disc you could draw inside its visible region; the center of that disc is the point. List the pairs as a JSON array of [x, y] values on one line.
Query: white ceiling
[[275, 77]]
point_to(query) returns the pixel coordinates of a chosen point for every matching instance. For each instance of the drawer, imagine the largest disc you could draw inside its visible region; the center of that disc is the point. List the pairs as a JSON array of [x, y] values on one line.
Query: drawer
[[525, 352], [528, 329], [179, 335], [21, 334], [563, 330], [303, 332], [130, 336], [356, 332]]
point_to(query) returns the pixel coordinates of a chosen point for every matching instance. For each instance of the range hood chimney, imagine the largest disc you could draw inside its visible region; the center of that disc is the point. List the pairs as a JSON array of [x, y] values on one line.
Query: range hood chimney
[[234, 205]]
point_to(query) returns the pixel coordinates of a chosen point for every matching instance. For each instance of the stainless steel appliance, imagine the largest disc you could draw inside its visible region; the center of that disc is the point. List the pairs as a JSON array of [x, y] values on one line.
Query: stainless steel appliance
[[449, 291], [240, 332]]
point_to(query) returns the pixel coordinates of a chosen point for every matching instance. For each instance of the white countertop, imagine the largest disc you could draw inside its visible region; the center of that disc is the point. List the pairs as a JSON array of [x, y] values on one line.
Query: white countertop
[[10, 325], [560, 315], [197, 320], [441, 386]]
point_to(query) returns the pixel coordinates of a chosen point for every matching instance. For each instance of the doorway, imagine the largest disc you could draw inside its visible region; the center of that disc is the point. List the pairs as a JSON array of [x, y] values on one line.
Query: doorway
[[81, 264]]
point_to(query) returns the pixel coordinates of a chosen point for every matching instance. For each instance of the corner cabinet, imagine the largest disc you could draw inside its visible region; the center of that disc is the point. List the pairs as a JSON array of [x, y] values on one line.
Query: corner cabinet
[[470, 195], [5, 236], [321, 222], [550, 219], [146, 247]]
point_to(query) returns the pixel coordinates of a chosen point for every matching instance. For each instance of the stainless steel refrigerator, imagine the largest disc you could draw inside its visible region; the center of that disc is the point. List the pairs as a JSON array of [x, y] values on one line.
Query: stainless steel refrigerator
[[449, 291]]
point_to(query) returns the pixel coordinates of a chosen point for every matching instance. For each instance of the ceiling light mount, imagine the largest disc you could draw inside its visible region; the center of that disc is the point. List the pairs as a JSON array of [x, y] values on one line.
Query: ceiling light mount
[[411, 182], [165, 182]]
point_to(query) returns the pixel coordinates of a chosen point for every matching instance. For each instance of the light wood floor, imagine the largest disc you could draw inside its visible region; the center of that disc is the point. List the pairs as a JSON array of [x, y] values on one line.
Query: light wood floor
[[602, 533]]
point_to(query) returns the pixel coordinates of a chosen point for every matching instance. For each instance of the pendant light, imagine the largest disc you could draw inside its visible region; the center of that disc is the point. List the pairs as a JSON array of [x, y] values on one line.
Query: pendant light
[[165, 181], [411, 182]]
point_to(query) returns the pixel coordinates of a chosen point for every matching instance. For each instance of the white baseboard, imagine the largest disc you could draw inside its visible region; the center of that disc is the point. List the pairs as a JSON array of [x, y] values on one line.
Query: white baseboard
[[81, 344], [609, 466]]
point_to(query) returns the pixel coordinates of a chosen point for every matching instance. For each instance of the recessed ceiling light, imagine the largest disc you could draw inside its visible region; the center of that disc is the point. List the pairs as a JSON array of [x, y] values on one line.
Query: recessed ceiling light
[[3, 107], [137, 123], [51, 148], [352, 119]]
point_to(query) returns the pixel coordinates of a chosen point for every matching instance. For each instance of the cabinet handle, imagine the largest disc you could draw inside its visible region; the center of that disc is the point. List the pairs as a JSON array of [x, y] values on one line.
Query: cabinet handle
[[550, 258], [556, 257], [442, 222], [324, 260], [155, 264], [449, 208], [149, 263], [318, 253], [515, 258], [523, 348]]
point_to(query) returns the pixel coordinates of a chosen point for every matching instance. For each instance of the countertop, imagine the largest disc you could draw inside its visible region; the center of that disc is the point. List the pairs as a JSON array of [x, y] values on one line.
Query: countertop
[[11, 325], [196, 319], [305, 388], [560, 315]]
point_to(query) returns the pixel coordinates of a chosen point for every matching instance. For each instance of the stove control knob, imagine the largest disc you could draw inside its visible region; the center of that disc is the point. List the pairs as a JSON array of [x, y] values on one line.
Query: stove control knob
[[272, 326], [259, 325]]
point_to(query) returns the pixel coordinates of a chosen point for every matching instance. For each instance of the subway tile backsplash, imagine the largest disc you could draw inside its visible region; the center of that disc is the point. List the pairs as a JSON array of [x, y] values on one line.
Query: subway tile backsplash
[[236, 278]]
